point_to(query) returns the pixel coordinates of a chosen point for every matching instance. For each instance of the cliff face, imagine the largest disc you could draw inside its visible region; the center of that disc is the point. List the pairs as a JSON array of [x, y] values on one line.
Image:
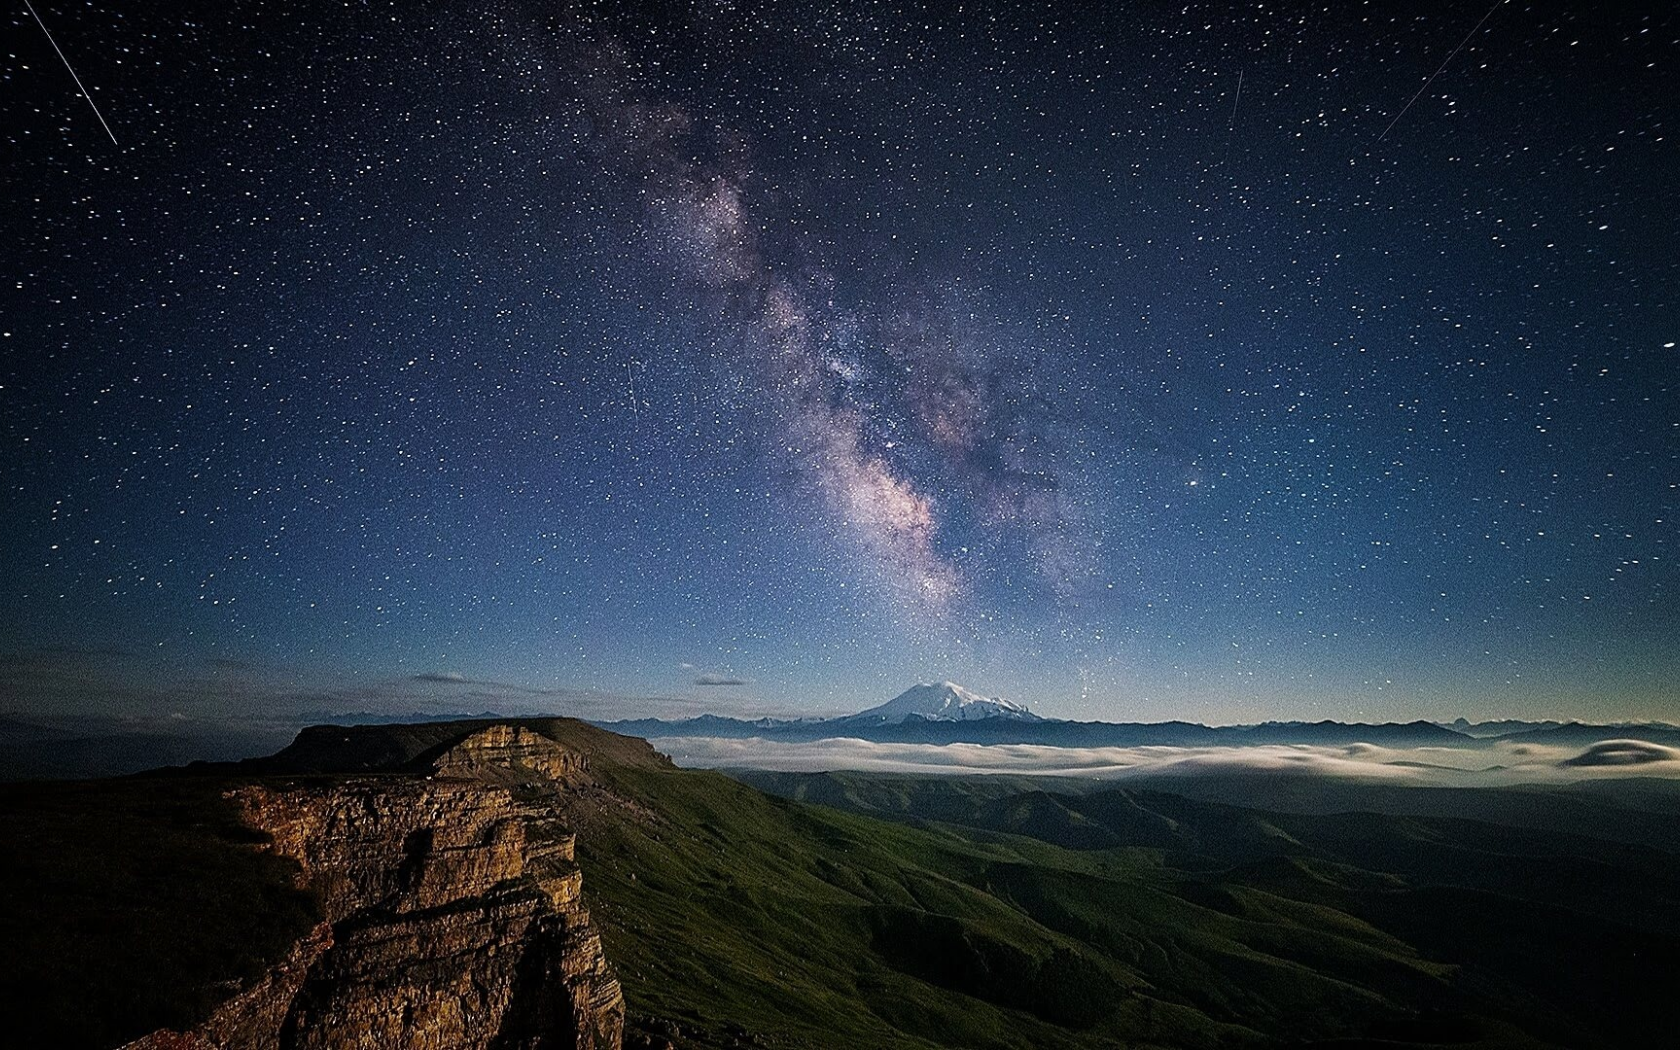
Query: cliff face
[[453, 916]]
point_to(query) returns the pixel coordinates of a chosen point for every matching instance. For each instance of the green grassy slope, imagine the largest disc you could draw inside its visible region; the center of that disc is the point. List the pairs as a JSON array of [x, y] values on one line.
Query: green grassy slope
[[1463, 922], [1638, 810], [1106, 919], [809, 927]]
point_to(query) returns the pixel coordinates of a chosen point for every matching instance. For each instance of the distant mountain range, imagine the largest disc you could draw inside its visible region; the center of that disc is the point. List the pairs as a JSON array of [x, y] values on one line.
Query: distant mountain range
[[1500, 727], [947, 713], [40, 746]]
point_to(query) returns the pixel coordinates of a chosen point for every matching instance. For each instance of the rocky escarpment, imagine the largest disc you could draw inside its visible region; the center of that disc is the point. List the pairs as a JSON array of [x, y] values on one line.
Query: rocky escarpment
[[452, 912]]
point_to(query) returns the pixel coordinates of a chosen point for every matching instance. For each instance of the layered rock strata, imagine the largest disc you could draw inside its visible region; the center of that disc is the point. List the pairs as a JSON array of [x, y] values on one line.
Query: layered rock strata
[[452, 913]]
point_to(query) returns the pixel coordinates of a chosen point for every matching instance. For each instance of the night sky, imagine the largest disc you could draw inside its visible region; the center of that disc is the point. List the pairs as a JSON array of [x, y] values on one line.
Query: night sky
[[1129, 360]]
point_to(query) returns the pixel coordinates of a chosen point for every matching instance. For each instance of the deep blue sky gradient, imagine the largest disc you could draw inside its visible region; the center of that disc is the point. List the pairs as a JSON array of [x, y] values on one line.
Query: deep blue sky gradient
[[391, 341]]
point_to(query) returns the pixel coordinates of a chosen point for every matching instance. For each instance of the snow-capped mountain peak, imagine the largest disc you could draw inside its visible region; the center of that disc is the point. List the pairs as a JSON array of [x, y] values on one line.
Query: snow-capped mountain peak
[[943, 702]]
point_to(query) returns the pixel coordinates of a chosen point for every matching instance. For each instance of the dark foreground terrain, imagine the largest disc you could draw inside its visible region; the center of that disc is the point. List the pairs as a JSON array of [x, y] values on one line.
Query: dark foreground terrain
[[424, 878]]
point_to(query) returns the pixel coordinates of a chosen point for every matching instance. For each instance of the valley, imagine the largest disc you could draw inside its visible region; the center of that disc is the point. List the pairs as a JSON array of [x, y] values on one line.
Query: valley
[[845, 910]]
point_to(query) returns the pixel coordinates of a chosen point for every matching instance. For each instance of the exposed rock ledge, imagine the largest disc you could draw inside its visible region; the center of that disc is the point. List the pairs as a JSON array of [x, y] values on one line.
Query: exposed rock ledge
[[453, 913]]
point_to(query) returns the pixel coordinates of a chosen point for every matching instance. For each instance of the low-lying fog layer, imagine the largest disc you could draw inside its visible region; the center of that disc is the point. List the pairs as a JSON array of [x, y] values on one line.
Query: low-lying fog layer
[[1498, 764]]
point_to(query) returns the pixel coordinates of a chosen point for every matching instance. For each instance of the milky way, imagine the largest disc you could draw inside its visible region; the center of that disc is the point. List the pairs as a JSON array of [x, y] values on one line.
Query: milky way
[[1132, 361]]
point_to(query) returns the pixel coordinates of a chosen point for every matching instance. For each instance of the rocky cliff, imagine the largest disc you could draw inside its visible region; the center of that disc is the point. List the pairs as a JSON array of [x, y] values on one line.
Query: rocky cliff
[[452, 911]]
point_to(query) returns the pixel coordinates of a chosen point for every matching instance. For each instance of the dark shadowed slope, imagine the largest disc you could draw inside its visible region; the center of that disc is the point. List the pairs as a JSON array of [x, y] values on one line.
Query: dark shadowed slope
[[1636, 810], [128, 905]]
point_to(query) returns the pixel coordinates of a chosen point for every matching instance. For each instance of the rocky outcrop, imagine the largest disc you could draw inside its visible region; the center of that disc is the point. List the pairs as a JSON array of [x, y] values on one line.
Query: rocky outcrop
[[513, 754], [452, 907]]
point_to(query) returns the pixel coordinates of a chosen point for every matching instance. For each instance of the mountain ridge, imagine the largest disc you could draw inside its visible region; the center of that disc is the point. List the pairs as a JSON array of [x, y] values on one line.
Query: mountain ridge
[[941, 702], [939, 914], [945, 713]]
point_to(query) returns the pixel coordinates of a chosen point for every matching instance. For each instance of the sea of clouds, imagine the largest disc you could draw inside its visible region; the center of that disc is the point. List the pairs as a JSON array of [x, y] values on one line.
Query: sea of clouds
[[1500, 763]]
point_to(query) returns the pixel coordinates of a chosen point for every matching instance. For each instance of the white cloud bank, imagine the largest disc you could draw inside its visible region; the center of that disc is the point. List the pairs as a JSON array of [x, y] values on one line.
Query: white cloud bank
[[1497, 764]]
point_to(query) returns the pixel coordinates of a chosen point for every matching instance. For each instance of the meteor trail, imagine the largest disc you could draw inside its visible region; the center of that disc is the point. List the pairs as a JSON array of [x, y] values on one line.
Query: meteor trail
[[1437, 72], [73, 75]]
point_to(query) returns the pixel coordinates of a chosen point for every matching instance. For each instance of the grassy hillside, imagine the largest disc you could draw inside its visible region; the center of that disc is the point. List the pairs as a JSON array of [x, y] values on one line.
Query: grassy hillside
[[1637, 810], [1009, 917]]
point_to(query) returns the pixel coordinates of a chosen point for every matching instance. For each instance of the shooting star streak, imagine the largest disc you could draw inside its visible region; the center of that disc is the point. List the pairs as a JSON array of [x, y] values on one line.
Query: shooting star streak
[[73, 75], [1238, 100], [1437, 72]]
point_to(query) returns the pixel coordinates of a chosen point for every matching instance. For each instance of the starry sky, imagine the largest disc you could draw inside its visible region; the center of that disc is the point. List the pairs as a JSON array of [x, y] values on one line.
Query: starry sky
[[1134, 361]]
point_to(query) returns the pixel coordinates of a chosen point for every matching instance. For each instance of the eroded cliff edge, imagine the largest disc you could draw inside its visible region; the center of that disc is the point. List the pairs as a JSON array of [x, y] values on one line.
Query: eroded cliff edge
[[452, 908]]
